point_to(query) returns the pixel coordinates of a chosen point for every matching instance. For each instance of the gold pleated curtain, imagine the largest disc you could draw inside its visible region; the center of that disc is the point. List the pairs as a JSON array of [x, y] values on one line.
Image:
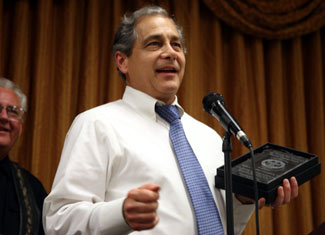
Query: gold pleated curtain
[[266, 60]]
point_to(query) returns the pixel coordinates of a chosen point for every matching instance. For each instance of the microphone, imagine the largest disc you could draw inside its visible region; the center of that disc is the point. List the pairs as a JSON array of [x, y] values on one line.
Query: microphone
[[214, 104]]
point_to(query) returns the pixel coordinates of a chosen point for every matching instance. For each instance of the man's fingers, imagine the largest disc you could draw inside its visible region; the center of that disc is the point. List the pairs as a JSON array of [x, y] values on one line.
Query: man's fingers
[[261, 203], [142, 218], [145, 193], [287, 191], [143, 226], [150, 186], [279, 199], [140, 207], [132, 206], [294, 187], [140, 215]]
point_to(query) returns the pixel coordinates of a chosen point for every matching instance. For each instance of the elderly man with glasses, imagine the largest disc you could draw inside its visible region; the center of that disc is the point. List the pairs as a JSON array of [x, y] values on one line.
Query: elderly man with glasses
[[21, 194]]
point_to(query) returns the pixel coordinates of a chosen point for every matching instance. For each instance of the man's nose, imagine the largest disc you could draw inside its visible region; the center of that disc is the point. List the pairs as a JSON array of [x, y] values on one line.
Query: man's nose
[[169, 52], [3, 113]]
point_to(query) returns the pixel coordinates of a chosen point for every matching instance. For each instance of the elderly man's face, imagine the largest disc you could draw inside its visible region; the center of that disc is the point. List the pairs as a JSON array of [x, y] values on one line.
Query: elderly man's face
[[157, 63], [10, 128]]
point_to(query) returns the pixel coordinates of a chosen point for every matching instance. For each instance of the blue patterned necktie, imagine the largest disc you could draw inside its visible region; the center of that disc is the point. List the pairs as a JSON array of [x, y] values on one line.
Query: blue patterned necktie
[[206, 212]]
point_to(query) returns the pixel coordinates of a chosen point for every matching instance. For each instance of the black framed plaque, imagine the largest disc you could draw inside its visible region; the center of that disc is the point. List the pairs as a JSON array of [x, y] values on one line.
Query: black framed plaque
[[273, 164]]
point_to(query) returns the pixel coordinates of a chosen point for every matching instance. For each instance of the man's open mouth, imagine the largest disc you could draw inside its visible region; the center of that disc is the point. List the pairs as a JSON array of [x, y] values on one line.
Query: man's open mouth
[[166, 70], [4, 129]]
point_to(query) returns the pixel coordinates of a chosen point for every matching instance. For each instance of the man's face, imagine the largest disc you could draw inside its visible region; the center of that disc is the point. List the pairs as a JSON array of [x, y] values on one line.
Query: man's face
[[157, 63], [10, 129]]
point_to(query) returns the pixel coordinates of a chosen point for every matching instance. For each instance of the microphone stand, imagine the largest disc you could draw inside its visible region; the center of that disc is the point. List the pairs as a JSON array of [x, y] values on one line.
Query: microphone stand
[[226, 149]]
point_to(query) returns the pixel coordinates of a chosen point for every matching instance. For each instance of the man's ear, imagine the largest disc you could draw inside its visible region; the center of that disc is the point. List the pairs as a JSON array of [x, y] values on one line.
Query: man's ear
[[121, 61]]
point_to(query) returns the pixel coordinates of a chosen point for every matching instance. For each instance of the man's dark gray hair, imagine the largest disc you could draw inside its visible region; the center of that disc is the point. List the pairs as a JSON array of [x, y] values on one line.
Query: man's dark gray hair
[[126, 34], [6, 83]]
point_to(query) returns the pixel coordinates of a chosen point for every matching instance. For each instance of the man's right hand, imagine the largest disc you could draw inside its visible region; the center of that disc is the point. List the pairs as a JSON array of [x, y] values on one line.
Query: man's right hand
[[140, 207]]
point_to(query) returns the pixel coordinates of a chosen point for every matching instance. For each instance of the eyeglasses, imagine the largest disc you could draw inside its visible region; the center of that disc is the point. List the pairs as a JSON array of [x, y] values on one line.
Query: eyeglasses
[[13, 112]]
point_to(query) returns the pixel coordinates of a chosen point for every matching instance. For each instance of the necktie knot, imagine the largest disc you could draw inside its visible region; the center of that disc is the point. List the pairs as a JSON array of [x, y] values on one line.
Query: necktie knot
[[167, 112]]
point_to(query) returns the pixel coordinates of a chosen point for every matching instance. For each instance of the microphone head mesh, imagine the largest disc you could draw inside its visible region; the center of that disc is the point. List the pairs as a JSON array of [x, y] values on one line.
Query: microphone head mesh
[[211, 98]]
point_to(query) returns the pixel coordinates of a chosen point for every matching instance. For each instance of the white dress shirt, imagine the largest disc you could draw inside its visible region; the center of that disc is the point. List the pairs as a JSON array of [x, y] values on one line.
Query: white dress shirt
[[122, 145]]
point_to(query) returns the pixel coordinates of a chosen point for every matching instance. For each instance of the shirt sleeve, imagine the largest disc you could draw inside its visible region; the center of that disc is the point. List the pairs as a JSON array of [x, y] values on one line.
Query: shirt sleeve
[[77, 203], [242, 214]]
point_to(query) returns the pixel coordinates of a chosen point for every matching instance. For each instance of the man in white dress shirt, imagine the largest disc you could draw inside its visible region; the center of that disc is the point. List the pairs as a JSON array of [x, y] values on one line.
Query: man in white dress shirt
[[118, 173]]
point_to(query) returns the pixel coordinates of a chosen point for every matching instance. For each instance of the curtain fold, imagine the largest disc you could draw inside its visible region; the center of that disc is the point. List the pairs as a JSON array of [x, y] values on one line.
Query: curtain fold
[[271, 19], [58, 52]]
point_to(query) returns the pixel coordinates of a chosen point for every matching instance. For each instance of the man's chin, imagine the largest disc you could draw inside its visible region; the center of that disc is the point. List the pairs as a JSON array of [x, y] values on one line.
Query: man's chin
[[170, 87], [4, 142]]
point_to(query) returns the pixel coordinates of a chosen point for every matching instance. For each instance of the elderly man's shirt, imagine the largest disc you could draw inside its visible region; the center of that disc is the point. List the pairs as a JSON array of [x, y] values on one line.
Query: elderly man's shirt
[[10, 206]]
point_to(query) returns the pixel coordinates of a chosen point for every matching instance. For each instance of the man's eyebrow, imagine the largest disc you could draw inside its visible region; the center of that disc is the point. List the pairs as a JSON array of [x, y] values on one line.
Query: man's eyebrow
[[158, 37], [151, 37]]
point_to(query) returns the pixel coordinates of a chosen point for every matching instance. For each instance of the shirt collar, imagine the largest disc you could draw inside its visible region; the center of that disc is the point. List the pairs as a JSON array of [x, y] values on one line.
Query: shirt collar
[[144, 103]]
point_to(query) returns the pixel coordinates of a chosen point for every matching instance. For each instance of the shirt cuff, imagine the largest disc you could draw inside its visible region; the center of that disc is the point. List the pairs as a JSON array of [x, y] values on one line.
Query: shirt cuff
[[242, 214], [117, 223]]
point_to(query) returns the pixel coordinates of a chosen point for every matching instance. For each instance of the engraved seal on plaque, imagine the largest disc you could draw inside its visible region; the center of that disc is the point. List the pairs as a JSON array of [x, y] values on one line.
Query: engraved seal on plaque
[[272, 164]]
